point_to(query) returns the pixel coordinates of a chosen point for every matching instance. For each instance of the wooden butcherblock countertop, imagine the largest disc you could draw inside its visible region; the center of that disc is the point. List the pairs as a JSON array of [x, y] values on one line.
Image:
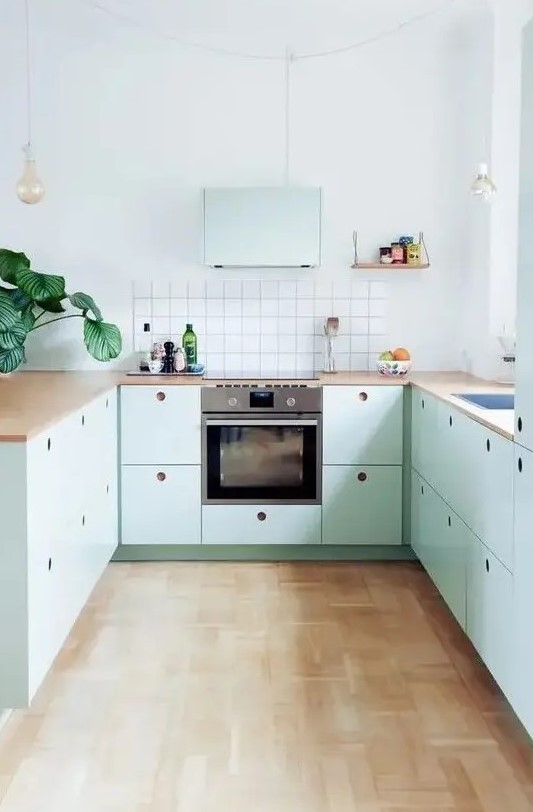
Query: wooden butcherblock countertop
[[31, 402]]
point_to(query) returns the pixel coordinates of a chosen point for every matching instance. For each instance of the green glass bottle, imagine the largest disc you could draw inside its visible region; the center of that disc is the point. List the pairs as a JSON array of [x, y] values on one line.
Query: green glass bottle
[[190, 346]]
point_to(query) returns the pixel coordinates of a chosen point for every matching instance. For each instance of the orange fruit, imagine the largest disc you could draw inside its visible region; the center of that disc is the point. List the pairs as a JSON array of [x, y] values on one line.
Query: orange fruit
[[401, 354]]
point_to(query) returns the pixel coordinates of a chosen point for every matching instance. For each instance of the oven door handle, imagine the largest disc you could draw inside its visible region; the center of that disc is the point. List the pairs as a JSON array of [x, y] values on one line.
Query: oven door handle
[[245, 422]]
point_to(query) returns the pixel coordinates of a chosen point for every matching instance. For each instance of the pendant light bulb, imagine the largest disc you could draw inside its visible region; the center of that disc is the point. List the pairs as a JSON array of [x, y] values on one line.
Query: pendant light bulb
[[30, 188], [483, 186]]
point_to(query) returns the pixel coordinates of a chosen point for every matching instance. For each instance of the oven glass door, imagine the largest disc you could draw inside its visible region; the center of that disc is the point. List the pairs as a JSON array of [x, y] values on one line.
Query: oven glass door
[[274, 460]]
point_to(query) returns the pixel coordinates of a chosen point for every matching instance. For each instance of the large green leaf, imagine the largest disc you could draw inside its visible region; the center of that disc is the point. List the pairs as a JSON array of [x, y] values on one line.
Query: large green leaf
[[9, 315], [11, 359], [41, 286], [103, 340], [28, 317], [51, 305], [13, 338], [85, 302], [11, 263]]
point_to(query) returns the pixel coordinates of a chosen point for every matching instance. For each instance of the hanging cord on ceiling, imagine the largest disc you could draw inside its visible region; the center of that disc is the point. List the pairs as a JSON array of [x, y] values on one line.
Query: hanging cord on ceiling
[[96, 5], [288, 61], [28, 73]]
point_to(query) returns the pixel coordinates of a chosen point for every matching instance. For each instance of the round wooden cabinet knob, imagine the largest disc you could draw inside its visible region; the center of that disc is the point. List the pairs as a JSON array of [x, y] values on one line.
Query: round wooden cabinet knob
[[261, 516], [362, 477], [161, 396], [363, 396], [161, 476]]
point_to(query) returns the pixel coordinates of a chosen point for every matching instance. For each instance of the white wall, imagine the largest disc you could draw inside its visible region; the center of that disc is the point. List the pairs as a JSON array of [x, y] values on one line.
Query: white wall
[[128, 128]]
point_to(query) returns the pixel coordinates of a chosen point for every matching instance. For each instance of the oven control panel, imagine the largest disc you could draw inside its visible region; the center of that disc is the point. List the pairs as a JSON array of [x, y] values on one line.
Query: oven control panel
[[269, 398]]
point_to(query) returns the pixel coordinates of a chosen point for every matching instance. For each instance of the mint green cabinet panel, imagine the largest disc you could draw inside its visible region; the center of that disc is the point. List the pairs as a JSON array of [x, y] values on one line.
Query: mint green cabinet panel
[[522, 624], [452, 464], [261, 524], [417, 492], [424, 437], [363, 425], [160, 425], [488, 506], [489, 613], [449, 560], [362, 505], [440, 541], [524, 367], [161, 505]]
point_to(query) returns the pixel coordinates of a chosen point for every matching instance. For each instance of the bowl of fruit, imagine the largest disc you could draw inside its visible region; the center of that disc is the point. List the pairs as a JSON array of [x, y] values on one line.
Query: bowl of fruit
[[394, 363]]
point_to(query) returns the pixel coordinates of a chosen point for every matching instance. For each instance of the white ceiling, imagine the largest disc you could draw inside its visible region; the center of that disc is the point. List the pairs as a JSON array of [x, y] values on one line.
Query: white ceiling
[[266, 27]]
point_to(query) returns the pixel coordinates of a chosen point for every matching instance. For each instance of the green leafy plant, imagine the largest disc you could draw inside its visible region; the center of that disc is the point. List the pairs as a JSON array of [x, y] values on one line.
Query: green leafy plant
[[29, 300]]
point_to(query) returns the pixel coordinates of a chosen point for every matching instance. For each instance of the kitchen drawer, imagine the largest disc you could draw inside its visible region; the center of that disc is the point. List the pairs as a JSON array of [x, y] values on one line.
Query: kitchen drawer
[[161, 504], [489, 611], [160, 425], [363, 425], [362, 505], [261, 524]]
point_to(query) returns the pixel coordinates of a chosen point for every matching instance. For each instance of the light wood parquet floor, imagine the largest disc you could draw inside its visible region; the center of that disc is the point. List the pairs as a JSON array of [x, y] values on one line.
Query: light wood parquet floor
[[203, 687]]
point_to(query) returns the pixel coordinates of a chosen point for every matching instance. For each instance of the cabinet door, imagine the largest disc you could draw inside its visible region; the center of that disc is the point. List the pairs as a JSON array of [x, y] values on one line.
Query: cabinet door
[[55, 477], [362, 505], [160, 425], [451, 538], [363, 426], [489, 611], [261, 524], [524, 367], [452, 471], [522, 625], [489, 510], [161, 505], [424, 434]]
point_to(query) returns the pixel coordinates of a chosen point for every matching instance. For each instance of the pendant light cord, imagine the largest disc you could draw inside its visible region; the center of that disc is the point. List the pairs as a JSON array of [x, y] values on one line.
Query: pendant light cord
[[288, 60], [99, 5], [28, 71]]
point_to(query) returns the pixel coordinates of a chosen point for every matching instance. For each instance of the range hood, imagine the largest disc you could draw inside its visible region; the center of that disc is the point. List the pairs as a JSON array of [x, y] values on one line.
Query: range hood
[[262, 227]]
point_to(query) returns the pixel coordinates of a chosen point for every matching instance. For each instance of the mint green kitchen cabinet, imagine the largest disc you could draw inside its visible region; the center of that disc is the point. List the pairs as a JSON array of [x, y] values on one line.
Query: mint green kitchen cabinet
[[362, 505], [261, 524], [363, 425], [58, 508], [439, 539], [488, 508], [160, 425], [424, 435], [524, 348], [489, 611], [522, 623], [161, 504]]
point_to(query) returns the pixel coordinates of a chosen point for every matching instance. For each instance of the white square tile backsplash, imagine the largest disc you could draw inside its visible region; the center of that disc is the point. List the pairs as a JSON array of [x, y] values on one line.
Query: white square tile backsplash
[[269, 325]]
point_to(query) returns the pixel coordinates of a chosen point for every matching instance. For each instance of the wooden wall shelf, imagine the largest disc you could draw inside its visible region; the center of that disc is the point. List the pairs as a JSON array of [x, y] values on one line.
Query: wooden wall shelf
[[379, 266]]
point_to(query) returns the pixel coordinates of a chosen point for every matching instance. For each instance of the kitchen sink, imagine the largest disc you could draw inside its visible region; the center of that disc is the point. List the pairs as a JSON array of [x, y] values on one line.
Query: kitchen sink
[[497, 401]]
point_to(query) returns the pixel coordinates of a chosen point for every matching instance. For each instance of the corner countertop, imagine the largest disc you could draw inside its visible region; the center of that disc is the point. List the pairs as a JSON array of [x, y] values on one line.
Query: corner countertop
[[444, 385], [31, 402]]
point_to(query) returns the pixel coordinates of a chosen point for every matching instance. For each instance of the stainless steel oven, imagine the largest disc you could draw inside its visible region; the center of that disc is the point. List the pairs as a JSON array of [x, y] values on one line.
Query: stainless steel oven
[[261, 444]]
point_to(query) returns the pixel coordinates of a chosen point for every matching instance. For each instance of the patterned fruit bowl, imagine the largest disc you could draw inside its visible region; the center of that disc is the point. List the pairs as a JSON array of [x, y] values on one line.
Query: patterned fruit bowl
[[394, 369]]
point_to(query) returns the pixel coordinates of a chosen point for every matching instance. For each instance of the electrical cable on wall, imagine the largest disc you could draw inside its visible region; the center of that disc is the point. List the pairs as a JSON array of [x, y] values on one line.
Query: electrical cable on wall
[[97, 5]]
